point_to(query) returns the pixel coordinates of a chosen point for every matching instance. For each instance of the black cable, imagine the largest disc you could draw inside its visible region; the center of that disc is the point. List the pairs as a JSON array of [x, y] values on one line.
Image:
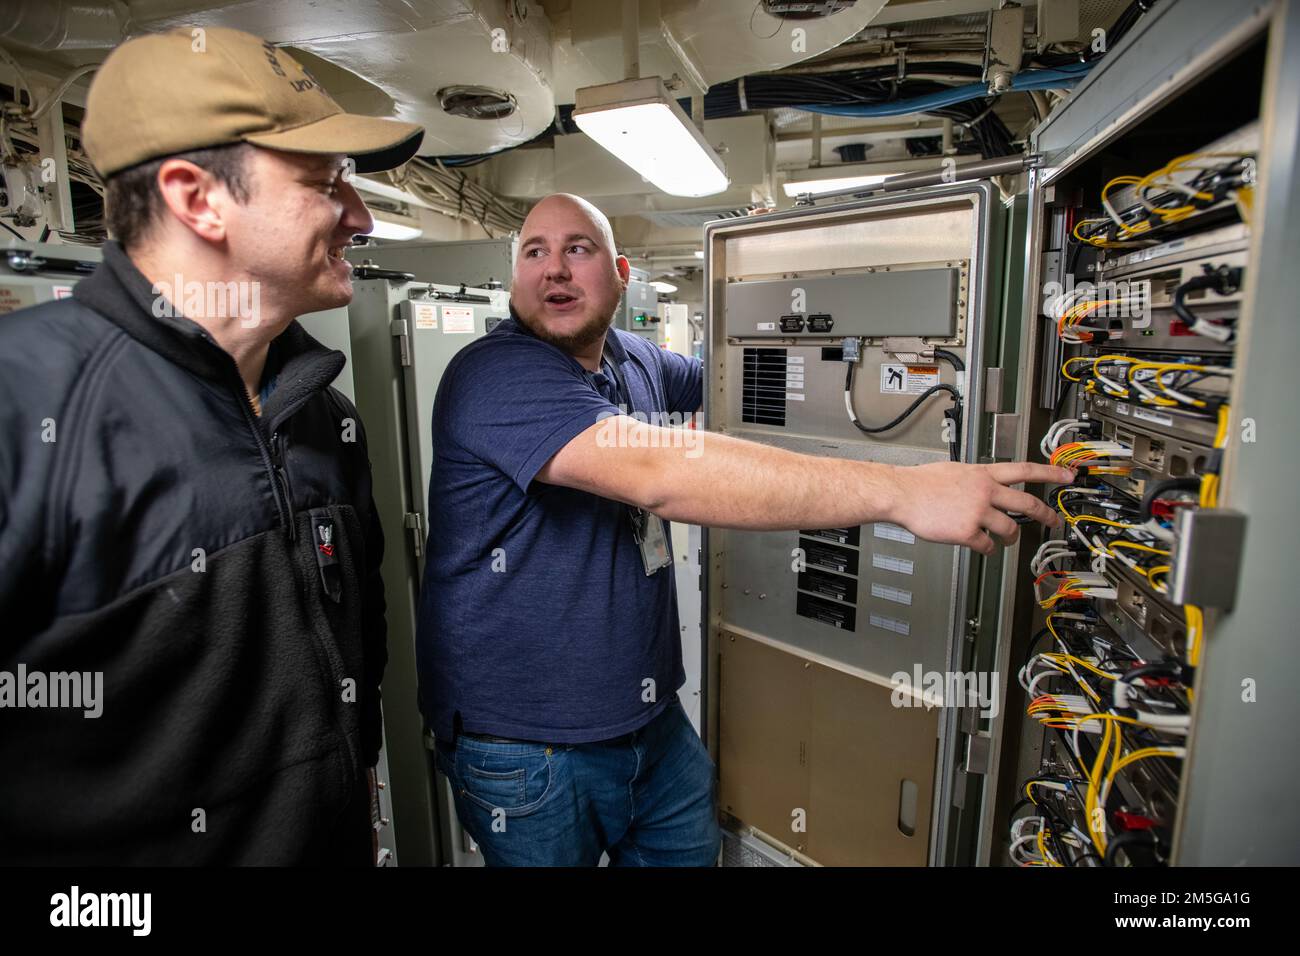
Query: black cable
[[1033, 642], [951, 358], [1172, 667], [14, 231], [953, 447], [1072, 261], [955, 414], [1129, 838], [1060, 402], [1224, 280], [1161, 488]]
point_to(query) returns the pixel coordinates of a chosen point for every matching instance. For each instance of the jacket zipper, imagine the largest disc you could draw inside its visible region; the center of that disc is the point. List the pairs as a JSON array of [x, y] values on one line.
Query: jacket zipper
[[273, 461], [282, 475], [286, 517]]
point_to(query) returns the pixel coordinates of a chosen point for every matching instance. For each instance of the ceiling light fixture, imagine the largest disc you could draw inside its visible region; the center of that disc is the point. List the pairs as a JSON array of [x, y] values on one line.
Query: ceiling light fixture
[[392, 226], [643, 126], [388, 191], [816, 186]]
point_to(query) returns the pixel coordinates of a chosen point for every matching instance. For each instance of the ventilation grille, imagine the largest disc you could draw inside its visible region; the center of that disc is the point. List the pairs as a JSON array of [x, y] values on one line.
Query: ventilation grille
[[763, 396], [476, 102]]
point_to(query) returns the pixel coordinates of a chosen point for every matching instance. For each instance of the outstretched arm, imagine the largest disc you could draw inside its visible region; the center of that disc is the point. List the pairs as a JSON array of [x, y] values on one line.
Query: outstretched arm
[[726, 482]]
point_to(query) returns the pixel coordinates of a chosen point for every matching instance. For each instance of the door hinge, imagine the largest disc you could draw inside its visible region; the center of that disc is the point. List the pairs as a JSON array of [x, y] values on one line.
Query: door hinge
[[401, 330], [979, 748], [1004, 435], [415, 521]]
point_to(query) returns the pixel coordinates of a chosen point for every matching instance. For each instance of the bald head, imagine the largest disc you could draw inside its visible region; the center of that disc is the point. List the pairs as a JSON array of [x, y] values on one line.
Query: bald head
[[568, 277], [573, 208]]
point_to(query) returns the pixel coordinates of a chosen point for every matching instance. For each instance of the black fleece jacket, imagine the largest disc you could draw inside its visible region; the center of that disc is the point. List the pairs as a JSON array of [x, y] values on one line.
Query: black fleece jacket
[[222, 572]]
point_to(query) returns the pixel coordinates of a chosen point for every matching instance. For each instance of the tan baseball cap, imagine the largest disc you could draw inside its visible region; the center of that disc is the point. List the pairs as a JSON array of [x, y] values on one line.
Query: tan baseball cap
[[167, 93]]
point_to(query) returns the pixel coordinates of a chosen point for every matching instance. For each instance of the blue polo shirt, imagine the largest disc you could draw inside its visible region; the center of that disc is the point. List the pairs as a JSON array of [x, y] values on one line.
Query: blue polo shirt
[[537, 619]]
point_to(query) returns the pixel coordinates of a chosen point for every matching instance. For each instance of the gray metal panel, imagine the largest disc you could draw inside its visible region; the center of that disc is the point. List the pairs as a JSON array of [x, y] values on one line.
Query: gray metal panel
[[904, 302], [1173, 43], [432, 349], [469, 263], [761, 588], [381, 403], [1243, 770], [33, 273], [436, 332], [640, 300], [943, 223], [330, 328]]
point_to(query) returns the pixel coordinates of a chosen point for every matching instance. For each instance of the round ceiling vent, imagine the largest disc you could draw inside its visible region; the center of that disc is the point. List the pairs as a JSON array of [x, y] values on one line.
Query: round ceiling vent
[[476, 102]]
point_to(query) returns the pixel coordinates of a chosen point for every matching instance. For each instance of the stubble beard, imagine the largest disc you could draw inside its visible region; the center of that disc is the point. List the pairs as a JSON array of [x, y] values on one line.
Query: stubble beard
[[574, 342]]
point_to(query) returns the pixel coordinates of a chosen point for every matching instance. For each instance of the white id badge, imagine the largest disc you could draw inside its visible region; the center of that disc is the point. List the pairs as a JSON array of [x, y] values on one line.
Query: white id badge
[[652, 539]]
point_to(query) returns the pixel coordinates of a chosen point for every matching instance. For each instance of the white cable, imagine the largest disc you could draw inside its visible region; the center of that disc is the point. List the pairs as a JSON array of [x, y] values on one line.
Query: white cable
[[1052, 437], [62, 88]]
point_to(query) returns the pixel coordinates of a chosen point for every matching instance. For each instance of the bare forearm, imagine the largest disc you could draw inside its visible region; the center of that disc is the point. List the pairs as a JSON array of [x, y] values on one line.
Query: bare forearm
[[719, 481], [741, 484]]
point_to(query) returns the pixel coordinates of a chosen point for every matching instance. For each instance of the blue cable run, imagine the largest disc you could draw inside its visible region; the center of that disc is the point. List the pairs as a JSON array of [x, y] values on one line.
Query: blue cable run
[[1046, 79]]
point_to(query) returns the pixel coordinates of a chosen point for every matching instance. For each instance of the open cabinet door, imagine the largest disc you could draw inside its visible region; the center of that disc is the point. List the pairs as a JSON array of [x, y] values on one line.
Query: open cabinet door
[[842, 706]]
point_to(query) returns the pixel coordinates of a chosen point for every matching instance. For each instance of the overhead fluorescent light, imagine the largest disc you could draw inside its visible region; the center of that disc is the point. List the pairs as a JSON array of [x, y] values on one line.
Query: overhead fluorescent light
[[387, 191], [667, 288], [816, 186], [643, 126], [391, 226]]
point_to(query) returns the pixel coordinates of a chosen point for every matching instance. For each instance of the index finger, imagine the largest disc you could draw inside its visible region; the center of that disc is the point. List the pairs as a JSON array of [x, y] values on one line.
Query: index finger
[[1015, 472]]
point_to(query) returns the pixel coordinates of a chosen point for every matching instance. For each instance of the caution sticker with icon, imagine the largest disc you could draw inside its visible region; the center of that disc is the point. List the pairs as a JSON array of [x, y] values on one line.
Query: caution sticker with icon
[[898, 379]]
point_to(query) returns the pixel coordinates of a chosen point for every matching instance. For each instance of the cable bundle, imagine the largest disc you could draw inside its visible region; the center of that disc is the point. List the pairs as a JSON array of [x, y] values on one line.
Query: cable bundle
[[1139, 377], [452, 193], [1072, 307], [1161, 199], [1077, 452]]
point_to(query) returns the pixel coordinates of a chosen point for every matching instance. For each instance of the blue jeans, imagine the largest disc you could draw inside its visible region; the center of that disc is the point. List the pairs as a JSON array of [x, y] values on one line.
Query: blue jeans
[[646, 798]]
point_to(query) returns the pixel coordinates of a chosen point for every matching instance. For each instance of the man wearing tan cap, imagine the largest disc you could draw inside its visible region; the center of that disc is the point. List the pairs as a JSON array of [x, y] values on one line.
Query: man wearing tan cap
[[189, 553]]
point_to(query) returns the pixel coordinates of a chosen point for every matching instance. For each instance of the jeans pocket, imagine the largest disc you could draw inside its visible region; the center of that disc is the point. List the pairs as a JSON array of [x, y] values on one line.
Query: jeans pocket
[[511, 778]]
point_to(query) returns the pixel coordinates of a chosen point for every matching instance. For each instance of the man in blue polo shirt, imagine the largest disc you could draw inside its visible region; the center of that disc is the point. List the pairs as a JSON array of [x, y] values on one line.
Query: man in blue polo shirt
[[549, 647]]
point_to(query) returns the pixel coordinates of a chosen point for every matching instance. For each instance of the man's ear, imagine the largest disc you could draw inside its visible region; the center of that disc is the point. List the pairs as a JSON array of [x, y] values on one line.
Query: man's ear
[[624, 269], [194, 198]]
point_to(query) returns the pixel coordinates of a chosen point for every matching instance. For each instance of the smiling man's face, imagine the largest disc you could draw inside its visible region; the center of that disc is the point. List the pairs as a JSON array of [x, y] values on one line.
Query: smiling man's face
[[293, 232], [567, 279]]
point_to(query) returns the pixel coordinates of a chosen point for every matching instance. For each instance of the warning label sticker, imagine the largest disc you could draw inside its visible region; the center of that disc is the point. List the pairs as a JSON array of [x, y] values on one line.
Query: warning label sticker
[[907, 379], [13, 298], [457, 319], [425, 314]]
